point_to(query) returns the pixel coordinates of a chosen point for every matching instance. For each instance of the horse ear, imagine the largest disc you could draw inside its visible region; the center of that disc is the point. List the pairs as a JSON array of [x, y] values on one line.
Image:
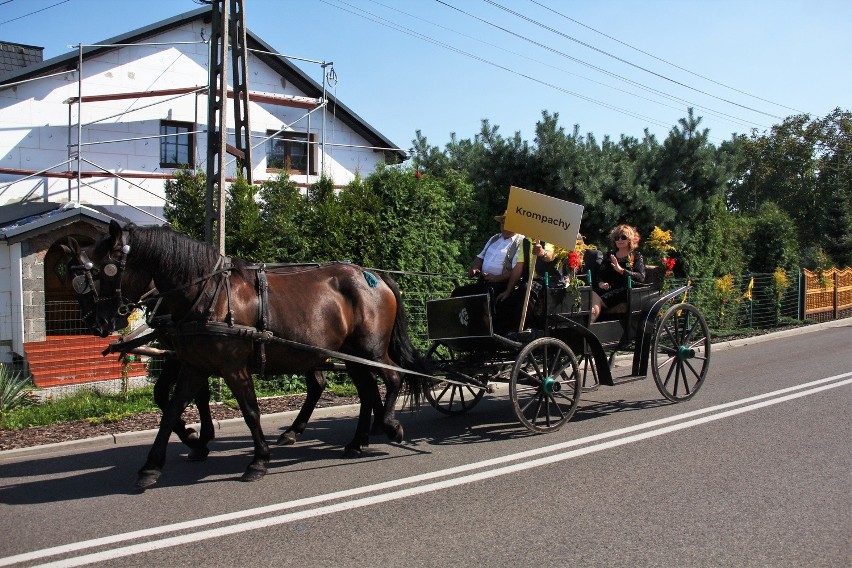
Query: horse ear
[[114, 229], [72, 248]]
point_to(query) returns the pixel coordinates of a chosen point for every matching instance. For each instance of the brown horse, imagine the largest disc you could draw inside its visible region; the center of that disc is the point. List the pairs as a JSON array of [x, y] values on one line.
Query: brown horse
[[228, 317], [197, 442]]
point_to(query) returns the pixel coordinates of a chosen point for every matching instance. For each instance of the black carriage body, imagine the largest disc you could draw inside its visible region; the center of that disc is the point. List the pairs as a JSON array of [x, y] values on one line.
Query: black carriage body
[[469, 355]]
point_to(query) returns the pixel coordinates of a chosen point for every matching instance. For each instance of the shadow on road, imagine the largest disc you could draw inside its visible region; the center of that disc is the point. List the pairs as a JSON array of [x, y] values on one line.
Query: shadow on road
[[87, 474]]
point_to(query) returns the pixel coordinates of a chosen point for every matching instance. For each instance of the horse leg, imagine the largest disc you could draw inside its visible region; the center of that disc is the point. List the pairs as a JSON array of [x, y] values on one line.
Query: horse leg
[[162, 389], [391, 425], [187, 385], [378, 410], [316, 384], [242, 386], [202, 402], [162, 392], [362, 378]]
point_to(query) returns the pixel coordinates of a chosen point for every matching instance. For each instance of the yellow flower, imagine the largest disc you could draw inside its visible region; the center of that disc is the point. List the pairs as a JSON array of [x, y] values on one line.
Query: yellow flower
[[725, 285], [660, 241], [779, 277]]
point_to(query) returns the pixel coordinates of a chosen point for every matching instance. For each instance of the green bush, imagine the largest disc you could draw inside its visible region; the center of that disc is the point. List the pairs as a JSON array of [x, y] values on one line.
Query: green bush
[[15, 390]]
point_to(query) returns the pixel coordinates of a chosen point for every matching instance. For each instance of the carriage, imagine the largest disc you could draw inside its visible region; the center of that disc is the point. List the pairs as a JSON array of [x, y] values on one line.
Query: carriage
[[230, 318], [549, 364]]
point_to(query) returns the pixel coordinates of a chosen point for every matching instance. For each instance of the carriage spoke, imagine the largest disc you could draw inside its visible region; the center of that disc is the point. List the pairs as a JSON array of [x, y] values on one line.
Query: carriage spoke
[[446, 397], [681, 352], [545, 386]]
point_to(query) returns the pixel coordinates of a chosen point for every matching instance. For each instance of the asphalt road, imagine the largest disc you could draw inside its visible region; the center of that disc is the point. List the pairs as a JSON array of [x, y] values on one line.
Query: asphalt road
[[755, 471]]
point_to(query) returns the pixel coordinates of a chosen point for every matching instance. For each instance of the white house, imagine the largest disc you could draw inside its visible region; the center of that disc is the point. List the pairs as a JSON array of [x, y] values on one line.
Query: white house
[[93, 134]]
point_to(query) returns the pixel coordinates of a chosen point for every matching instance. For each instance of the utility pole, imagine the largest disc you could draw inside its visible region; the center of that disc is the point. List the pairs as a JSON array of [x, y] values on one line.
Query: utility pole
[[227, 27]]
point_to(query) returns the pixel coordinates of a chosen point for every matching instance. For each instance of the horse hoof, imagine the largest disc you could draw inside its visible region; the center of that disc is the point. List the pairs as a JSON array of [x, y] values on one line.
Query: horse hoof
[[352, 452], [146, 479], [396, 433], [254, 472], [287, 438], [197, 454]]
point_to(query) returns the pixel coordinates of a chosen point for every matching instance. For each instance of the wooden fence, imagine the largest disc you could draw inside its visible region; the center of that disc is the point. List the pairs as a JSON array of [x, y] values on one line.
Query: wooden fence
[[827, 295]]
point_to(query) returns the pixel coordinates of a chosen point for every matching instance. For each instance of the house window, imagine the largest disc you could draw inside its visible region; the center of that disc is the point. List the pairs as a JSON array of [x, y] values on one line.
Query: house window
[[289, 151], [176, 144]]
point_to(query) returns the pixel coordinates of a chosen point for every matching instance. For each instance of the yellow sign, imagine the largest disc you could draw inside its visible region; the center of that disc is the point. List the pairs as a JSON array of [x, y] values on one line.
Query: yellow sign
[[543, 218]]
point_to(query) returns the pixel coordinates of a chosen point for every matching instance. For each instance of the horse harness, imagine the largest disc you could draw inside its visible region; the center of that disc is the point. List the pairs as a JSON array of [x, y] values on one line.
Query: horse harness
[[165, 326]]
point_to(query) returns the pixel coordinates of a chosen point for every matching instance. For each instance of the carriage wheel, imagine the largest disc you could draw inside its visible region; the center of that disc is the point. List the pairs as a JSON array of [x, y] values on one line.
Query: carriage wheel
[[545, 385], [449, 398], [681, 352]]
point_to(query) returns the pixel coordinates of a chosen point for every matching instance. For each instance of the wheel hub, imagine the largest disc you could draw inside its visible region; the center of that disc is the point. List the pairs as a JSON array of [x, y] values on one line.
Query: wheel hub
[[551, 385], [684, 352]]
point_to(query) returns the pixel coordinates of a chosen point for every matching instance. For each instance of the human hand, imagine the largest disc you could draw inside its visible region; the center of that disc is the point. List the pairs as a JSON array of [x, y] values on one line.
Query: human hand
[[502, 296], [537, 249], [615, 264], [604, 285], [473, 272]]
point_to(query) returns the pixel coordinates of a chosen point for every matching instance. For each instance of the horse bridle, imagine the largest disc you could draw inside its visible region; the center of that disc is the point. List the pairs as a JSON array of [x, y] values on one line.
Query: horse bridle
[[109, 273]]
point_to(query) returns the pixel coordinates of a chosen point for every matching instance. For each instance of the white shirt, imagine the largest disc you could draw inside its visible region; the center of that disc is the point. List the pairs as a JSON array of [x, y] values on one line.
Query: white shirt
[[494, 255]]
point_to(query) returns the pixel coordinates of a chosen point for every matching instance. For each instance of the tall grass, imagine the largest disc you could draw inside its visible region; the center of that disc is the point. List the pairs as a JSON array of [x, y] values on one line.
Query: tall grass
[[87, 404]]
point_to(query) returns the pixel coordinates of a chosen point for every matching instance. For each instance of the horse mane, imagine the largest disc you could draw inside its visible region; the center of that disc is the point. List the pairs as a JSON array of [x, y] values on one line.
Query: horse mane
[[175, 253]]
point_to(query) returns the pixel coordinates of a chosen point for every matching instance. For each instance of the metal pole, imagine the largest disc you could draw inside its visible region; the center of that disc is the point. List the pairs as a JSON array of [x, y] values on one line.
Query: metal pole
[[239, 59], [217, 125], [324, 110], [79, 115], [69, 149], [308, 153]]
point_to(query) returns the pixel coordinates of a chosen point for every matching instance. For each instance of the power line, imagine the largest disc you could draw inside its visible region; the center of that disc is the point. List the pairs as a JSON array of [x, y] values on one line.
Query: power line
[[600, 69], [563, 70], [36, 12], [382, 21], [584, 44], [676, 66]]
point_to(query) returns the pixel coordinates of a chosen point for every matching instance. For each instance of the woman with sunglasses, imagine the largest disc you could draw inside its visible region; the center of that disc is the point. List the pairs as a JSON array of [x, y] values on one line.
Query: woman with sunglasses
[[622, 262]]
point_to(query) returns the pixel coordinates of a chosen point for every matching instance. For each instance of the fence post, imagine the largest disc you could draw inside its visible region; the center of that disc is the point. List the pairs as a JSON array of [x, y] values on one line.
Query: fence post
[[836, 294], [800, 296]]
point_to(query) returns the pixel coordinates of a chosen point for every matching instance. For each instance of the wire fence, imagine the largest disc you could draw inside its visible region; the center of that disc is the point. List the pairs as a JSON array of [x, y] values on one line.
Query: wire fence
[[69, 357]]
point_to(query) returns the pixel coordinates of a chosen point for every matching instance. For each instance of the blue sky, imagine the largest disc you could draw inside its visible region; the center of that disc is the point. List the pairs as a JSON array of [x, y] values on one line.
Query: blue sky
[[613, 67]]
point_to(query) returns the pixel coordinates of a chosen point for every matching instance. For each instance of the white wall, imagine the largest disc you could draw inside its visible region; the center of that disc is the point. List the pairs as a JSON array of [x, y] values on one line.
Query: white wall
[[34, 123], [11, 311]]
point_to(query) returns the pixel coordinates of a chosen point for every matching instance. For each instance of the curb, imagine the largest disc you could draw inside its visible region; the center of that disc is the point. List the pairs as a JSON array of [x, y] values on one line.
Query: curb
[[274, 421]]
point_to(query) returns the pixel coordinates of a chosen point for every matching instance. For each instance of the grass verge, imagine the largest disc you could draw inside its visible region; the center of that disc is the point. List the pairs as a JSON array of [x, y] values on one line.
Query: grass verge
[[99, 407]]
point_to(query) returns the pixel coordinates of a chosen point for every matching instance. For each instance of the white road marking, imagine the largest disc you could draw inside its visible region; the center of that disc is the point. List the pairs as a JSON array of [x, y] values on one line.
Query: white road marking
[[656, 427]]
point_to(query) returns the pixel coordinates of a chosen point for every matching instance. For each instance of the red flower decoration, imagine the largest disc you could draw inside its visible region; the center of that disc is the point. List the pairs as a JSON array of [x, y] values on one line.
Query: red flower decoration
[[574, 260], [418, 175], [670, 264]]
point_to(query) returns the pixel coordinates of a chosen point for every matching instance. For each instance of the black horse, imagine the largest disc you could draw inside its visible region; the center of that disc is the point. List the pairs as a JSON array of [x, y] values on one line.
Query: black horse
[[227, 315]]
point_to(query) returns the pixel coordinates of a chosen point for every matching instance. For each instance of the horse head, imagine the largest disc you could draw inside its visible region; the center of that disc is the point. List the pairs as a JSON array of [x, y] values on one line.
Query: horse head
[[106, 296]]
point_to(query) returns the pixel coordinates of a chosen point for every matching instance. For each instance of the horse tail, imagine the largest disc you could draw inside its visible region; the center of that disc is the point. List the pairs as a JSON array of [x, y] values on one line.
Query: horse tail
[[402, 351]]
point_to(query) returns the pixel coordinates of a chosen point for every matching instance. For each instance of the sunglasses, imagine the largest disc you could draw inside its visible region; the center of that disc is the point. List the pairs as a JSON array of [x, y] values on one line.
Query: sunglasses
[[622, 238]]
